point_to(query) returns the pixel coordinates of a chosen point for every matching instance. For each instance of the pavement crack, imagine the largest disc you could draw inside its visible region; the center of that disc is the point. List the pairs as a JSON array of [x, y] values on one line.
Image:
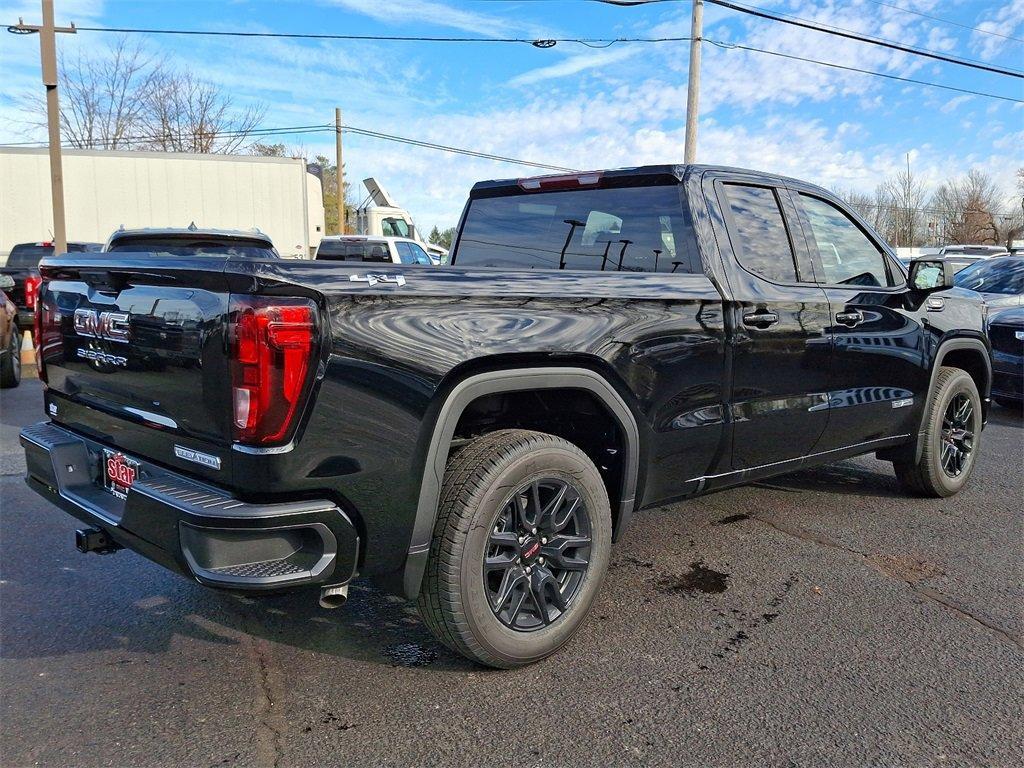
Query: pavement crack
[[270, 722], [932, 595]]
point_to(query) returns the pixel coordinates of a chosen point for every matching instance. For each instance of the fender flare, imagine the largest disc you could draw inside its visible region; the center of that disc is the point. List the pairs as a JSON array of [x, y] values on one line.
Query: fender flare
[[510, 380], [944, 349]]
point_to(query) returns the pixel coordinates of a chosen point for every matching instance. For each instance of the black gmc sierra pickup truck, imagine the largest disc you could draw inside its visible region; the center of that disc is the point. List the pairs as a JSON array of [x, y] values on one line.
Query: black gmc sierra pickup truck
[[475, 436]]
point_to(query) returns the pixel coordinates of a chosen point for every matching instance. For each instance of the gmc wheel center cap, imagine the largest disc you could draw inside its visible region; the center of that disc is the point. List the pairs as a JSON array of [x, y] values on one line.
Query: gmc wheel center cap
[[530, 548]]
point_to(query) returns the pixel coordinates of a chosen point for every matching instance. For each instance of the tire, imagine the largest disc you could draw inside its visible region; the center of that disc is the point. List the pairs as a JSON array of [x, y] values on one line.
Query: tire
[[1010, 403], [950, 448], [10, 362], [488, 487]]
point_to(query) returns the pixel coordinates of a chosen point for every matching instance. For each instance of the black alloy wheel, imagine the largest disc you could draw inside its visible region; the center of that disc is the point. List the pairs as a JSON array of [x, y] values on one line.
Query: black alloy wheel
[[957, 435], [538, 554]]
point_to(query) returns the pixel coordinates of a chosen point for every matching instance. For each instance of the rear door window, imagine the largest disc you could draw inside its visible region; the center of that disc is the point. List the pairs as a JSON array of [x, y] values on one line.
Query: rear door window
[[621, 229], [759, 233]]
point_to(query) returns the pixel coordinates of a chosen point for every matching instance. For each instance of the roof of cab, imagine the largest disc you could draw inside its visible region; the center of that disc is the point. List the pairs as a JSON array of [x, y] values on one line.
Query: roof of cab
[[644, 174], [192, 232]]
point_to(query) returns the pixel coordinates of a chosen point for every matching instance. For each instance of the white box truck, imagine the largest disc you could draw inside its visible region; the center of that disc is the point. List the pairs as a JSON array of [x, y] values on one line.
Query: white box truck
[[105, 190]]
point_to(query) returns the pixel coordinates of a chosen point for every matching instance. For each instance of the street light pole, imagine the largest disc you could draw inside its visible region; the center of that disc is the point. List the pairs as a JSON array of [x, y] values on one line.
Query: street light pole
[[48, 56], [693, 82]]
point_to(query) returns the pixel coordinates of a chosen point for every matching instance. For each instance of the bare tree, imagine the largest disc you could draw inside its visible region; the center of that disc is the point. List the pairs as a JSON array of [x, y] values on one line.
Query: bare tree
[[967, 207], [99, 107], [861, 202], [184, 114], [906, 196], [125, 98]]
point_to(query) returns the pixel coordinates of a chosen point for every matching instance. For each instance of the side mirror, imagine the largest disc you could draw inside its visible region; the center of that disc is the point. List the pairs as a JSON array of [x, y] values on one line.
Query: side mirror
[[6, 282], [931, 275]]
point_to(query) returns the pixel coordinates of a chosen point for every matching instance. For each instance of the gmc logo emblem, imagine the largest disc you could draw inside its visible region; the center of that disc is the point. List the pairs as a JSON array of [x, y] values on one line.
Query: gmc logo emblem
[[112, 326]]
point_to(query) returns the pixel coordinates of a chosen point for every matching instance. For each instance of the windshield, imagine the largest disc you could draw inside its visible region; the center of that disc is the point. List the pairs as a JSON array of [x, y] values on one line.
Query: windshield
[[28, 255], [177, 246], [353, 250], [997, 276]]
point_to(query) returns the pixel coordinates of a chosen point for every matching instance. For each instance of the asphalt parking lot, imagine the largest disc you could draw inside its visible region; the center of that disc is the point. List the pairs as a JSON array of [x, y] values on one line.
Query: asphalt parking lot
[[819, 618]]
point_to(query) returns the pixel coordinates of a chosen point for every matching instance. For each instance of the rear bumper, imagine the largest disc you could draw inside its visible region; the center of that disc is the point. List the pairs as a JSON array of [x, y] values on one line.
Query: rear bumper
[[26, 319], [193, 528]]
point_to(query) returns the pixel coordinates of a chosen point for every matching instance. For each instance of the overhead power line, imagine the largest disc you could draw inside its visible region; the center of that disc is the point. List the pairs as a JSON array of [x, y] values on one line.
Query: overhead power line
[[886, 75], [849, 35], [593, 42], [598, 42], [894, 6], [924, 15], [321, 128]]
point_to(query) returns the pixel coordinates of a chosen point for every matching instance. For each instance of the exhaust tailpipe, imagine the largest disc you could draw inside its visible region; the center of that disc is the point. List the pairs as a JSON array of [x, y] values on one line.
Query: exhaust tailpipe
[[334, 596]]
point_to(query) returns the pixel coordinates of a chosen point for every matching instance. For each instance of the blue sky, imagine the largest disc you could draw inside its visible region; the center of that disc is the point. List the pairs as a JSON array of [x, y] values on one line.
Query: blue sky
[[582, 107]]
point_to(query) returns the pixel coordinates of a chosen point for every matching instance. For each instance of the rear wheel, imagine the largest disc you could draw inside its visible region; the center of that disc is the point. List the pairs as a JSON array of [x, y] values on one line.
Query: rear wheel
[[10, 363], [952, 432], [521, 545]]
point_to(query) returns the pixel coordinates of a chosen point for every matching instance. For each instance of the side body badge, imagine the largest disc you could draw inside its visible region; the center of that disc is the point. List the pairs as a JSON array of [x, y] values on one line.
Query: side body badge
[[369, 279]]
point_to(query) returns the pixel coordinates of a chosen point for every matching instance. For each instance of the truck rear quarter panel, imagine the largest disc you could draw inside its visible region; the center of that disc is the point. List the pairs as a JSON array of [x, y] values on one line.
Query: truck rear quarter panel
[[397, 350]]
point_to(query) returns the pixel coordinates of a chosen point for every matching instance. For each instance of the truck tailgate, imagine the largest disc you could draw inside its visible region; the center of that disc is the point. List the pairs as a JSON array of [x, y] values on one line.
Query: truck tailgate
[[138, 343]]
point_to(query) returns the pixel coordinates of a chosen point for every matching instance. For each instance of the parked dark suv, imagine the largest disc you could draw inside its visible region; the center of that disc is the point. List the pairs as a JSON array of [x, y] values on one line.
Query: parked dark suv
[[194, 241], [23, 266]]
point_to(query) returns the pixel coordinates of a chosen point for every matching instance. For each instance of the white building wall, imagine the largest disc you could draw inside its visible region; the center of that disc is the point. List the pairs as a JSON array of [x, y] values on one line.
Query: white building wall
[[104, 190]]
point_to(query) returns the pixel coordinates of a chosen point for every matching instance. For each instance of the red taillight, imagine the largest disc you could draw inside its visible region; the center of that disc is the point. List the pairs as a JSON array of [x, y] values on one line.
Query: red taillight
[[45, 331], [273, 342], [32, 283]]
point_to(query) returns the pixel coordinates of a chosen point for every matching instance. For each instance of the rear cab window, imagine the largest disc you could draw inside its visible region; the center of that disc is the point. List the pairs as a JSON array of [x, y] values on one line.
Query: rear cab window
[[27, 255], [759, 234], [375, 251], [615, 229], [177, 246]]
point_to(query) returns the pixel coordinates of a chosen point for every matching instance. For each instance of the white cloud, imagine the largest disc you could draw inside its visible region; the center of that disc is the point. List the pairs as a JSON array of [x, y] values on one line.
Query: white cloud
[[574, 64], [420, 12], [954, 103], [1008, 20]]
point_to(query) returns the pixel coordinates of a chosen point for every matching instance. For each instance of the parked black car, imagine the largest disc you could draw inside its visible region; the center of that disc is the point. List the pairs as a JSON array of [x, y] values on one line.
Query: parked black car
[[10, 337], [1006, 333], [476, 436], [23, 266], [1000, 282]]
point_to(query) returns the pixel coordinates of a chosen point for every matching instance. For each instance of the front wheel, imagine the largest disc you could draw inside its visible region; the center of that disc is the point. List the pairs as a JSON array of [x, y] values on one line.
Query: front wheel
[[951, 434], [521, 545]]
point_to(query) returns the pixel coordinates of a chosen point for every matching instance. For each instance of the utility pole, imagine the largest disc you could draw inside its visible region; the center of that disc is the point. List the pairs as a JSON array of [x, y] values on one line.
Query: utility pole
[[48, 56], [693, 82], [340, 174]]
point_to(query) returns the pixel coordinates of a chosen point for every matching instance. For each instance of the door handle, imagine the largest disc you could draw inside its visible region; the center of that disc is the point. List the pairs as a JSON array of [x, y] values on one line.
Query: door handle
[[760, 319], [850, 318]]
